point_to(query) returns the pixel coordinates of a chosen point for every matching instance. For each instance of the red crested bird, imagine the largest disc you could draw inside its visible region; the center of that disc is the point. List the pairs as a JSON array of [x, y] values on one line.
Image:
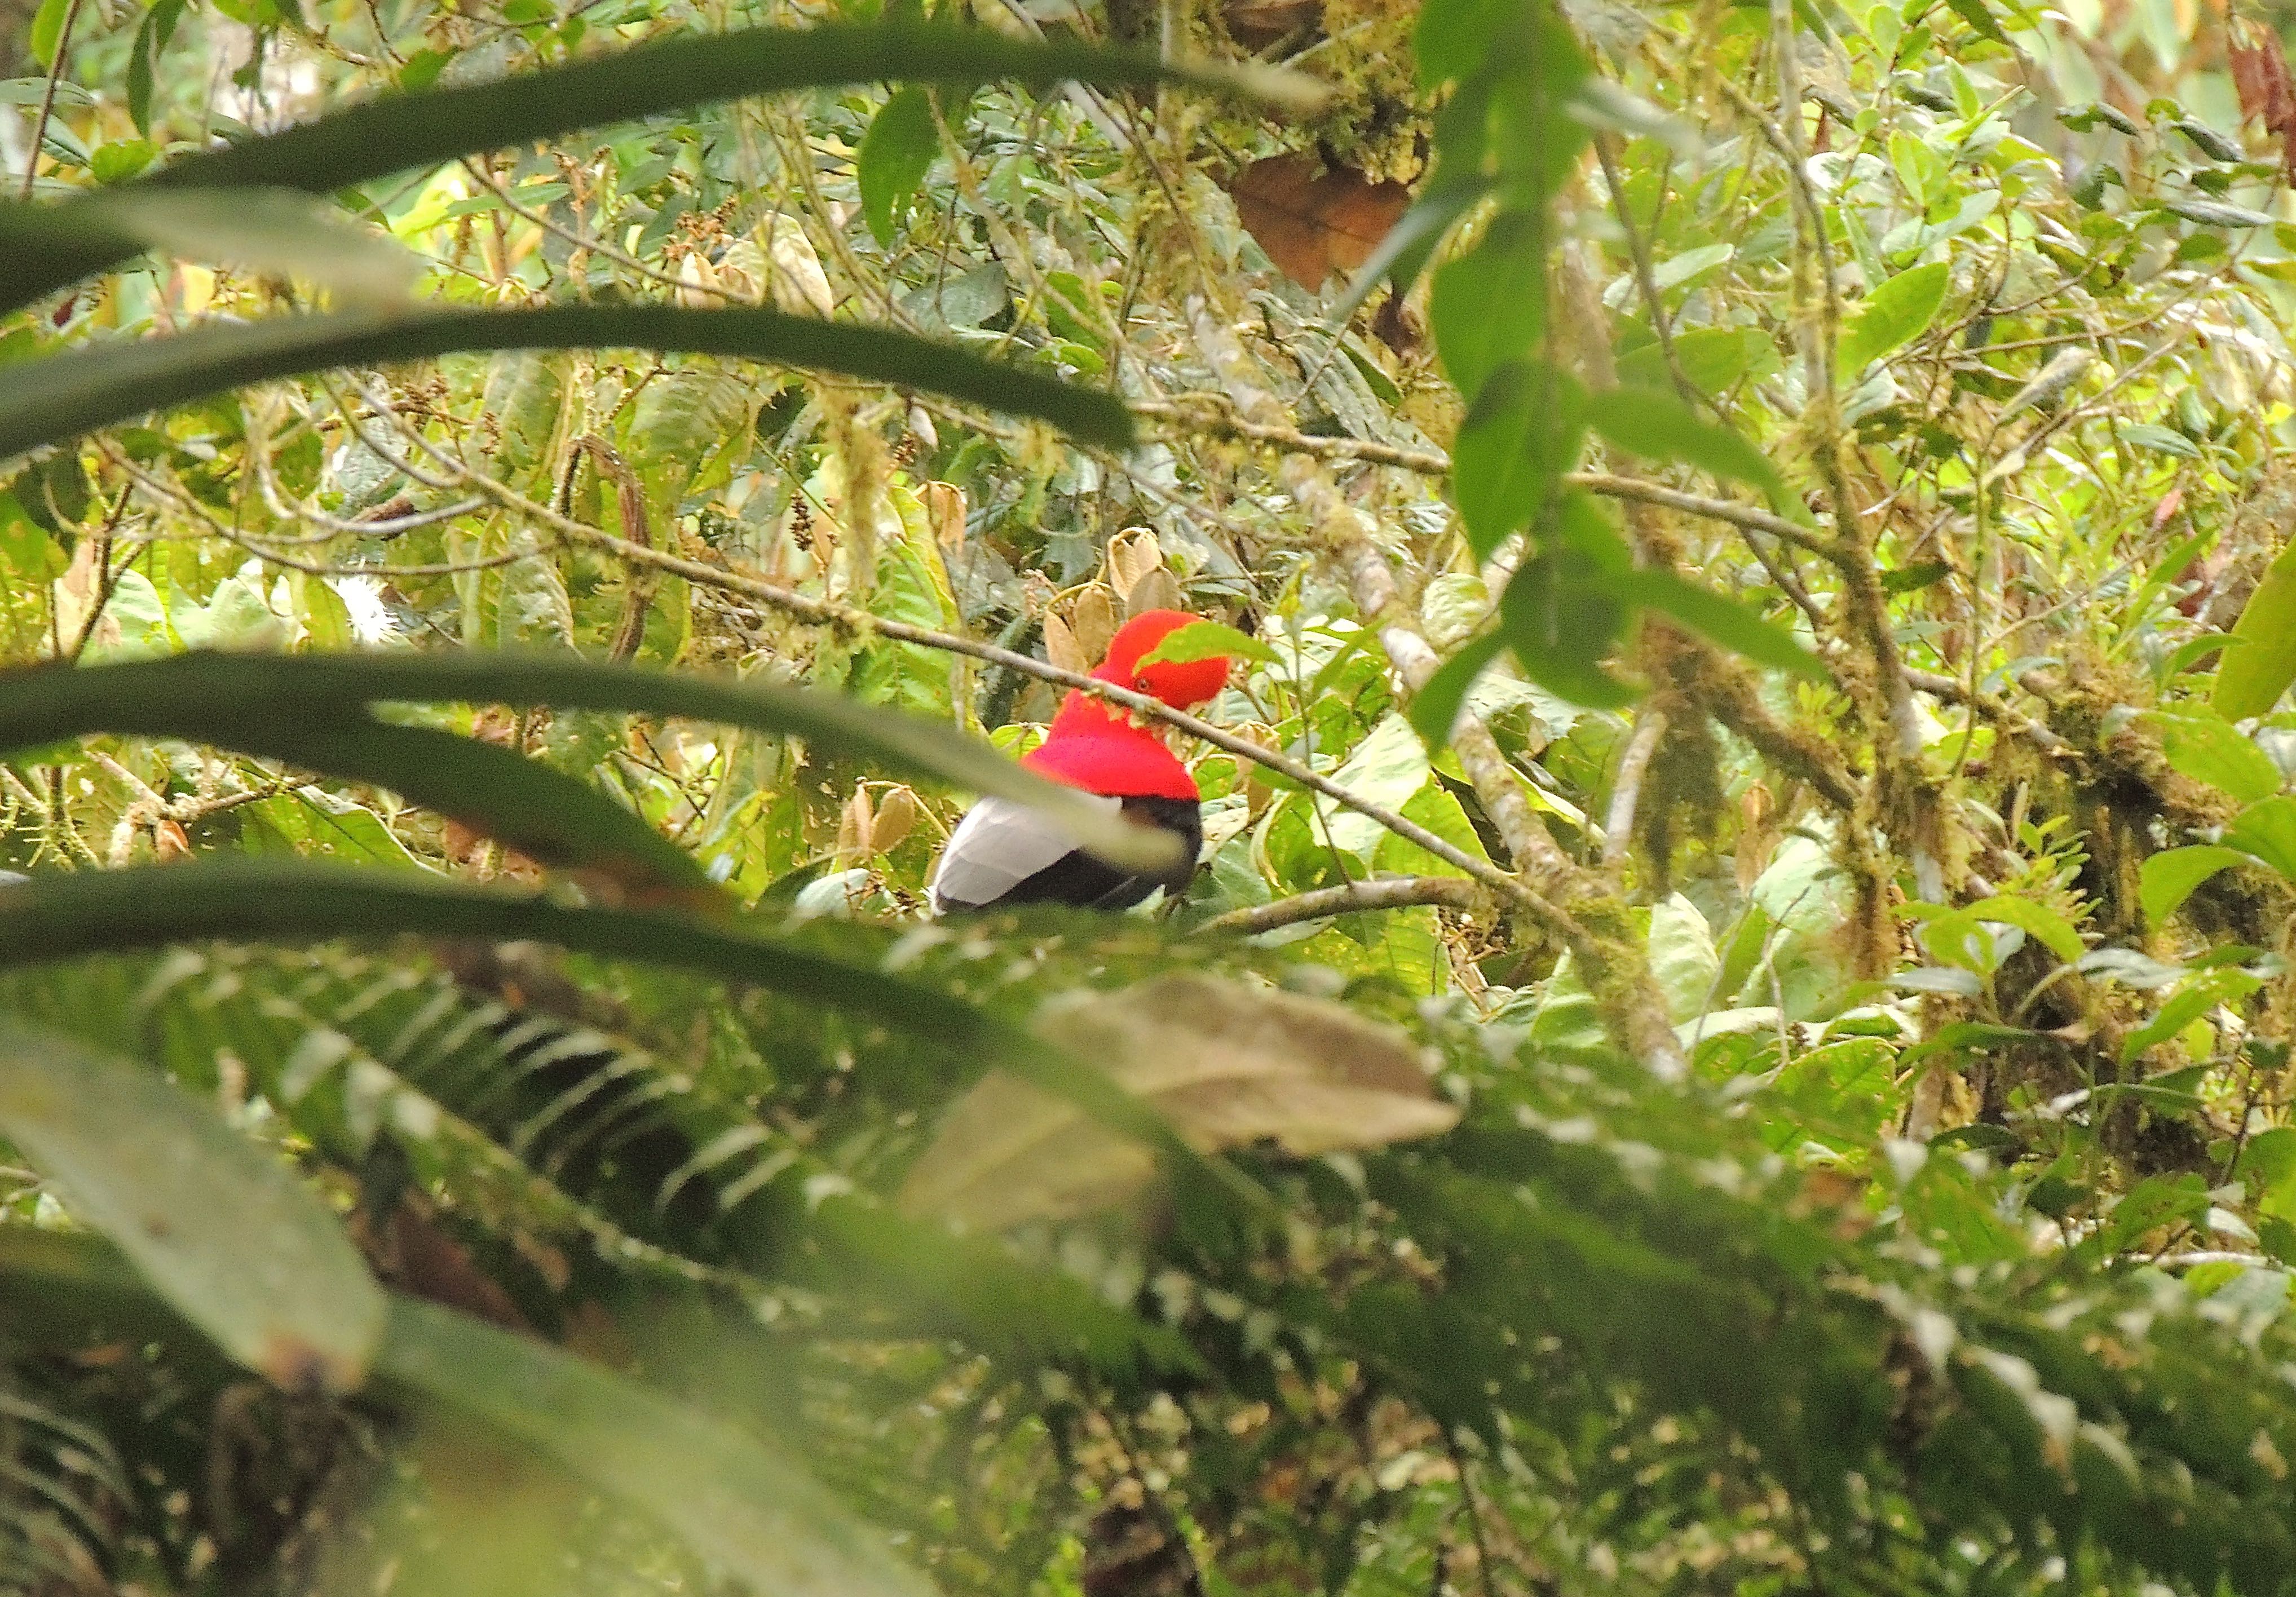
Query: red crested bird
[[1003, 853]]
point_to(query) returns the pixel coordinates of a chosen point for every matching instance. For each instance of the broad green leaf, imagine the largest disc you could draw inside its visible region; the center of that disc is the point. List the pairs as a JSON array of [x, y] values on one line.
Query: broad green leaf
[[400, 131], [2166, 879], [2210, 749], [1726, 621], [1683, 959], [2266, 829], [746, 1507], [1711, 357], [2251, 677], [324, 697], [895, 155], [1207, 640], [220, 1226], [1489, 307], [58, 397], [1658, 426], [1895, 312], [2036, 920], [1435, 707], [2205, 991], [1386, 766], [1520, 437]]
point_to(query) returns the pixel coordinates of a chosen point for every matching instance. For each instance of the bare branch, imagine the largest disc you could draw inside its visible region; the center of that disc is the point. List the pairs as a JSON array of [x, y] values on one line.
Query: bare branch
[[1384, 892]]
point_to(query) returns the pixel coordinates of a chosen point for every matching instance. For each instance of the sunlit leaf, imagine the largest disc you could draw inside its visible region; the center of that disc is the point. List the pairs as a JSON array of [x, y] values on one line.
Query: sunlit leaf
[[1895, 313]]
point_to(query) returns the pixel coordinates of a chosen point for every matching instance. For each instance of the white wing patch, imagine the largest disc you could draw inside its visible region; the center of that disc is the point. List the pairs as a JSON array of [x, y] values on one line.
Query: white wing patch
[[996, 847]]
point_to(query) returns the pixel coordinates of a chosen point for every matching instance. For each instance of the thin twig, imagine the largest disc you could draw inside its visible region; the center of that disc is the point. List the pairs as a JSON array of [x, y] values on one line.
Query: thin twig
[[1385, 892], [48, 99], [1213, 414]]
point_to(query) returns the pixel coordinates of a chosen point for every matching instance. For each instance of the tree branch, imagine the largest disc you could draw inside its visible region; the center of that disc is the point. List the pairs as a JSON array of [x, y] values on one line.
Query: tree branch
[[1386, 892]]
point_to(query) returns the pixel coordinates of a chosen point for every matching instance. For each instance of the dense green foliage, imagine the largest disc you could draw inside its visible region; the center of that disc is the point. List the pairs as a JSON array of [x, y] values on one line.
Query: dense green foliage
[[1734, 1033]]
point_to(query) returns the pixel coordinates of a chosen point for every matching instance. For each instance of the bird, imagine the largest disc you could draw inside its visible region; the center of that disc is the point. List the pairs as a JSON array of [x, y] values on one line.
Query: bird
[[1002, 853]]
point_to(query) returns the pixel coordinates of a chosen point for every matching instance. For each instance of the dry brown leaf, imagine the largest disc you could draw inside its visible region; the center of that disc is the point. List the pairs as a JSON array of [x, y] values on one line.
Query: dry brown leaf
[[1092, 620], [1313, 222], [1159, 590], [1132, 555], [944, 508], [801, 287], [896, 818], [854, 830], [1255, 24], [1228, 1065], [2259, 75], [1061, 645]]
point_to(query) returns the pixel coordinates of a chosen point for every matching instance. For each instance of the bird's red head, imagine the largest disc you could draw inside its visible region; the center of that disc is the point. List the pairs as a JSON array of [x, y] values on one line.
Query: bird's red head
[[1181, 683]]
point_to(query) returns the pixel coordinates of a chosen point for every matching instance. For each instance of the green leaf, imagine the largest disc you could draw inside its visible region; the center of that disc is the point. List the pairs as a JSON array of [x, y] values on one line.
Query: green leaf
[[743, 1506], [2166, 879], [54, 399], [2144, 434], [1207, 640], [2251, 677], [234, 698], [1895, 311], [1434, 709], [1711, 357], [2266, 829], [1521, 435], [400, 131], [1489, 307], [895, 155], [1659, 426], [2036, 920], [2207, 990], [1683, 959], [220, 1226], [2210, 749], [1979, 19], [46, 35], [1726, 621], [152, 36]]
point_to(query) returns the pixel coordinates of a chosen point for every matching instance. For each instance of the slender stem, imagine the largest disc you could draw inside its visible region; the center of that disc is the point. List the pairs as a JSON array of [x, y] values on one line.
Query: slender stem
[[48, 98], [1386, 892]]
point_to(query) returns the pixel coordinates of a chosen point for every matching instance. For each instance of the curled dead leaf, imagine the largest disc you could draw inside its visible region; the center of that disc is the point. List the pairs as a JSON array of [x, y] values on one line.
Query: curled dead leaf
[[800, 286], [1230, 1066], [1061, 645], [855, 830], [1092, 620], [896, 818], [944, 508], [1132, 555], [1313, 223]]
